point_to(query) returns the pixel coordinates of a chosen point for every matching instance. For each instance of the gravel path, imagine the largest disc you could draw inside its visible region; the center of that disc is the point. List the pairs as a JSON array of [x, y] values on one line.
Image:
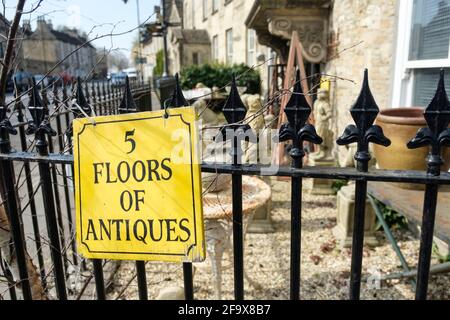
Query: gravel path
[[324, 269]]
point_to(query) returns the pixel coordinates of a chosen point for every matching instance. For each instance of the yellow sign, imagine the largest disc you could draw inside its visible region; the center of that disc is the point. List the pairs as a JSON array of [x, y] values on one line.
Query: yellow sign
[[138, 187]]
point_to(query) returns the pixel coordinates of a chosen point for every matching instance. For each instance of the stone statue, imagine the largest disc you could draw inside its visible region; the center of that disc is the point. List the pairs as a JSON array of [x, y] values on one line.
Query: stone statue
[[257, 123], [322, 116]]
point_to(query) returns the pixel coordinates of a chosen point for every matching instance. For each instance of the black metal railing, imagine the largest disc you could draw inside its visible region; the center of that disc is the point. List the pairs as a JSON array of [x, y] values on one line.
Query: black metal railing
[[297, 130]]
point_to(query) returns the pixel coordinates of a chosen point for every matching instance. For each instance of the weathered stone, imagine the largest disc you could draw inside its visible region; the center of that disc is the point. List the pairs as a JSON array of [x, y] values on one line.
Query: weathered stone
[[346, 208], [171, 293], [317, 185]]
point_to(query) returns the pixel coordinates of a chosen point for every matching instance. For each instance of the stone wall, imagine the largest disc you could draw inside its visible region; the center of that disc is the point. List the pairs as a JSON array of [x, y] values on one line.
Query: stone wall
[[202, 50], [373, 23]]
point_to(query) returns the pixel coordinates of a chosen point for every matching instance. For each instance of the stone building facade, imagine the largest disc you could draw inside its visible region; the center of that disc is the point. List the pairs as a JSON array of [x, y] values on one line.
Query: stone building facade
[[210, 31], [363, 33], [44, 47], [403, 44]]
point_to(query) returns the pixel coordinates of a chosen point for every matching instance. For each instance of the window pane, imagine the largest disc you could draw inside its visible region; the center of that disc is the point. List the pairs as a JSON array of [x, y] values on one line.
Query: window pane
[[229, 35], [430, 34], [425, 84], [250, 47], [215, 5], [215, 48], [205, 9]]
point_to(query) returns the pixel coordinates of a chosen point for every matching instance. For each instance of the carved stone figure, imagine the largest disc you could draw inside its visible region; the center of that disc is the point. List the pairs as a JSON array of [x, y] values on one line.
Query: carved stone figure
[[257, 123], [322, 116]]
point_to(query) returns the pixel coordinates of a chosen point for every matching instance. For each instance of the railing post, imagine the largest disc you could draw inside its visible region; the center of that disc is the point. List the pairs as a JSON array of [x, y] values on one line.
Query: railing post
[[297, 111], [54, 175], [99, 99], [40, 127], [234, 112], [126, 106], [364, 113], [178, 101], [11, 204], [30, 189], [437, 135], [79, 110], [57, 109]]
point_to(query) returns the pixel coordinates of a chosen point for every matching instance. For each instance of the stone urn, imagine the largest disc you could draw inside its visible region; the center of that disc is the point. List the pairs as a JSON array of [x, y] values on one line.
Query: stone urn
[[401, 125]]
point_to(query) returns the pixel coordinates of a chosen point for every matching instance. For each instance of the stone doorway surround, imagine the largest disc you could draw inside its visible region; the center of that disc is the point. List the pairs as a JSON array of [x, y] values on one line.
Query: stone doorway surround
[[275, 20]]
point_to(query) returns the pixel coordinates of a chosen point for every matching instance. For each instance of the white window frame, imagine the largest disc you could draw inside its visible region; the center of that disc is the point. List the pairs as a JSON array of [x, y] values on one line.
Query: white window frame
[[205, 9], [229, 46], [215, 5], [193, 14], [251, 51], [215, 48], [402, 94]]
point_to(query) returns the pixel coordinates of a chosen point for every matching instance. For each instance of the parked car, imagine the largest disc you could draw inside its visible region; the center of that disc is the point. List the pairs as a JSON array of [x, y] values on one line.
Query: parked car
[[118, 79], [131, 73]]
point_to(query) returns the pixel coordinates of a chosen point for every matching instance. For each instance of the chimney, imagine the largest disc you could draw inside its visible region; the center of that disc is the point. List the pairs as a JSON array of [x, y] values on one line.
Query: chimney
[[41, 24], [26, 25], [50, 24]]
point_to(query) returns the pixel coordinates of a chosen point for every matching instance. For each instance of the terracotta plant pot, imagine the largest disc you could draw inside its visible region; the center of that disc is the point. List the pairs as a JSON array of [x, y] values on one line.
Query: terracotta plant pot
[[401, 125]]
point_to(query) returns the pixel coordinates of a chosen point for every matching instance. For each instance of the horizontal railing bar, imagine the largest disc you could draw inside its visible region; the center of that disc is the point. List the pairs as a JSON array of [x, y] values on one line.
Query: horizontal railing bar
[[410, 176], [33, 157]]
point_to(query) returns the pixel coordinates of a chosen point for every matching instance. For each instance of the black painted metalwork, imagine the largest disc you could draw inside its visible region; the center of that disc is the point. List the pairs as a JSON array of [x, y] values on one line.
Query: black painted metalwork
[[364, 113], [178, 101], [99, 279], [127, 105], [141, 280], [437, 136], [67, 195], [11, 204], [236, 131], [51, 149], [298, 130], [19, 107], [40, 127]]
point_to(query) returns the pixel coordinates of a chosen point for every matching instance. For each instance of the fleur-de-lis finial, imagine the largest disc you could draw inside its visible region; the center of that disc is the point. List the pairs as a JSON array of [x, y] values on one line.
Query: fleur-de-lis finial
[[127, 104], [364, 112], [234, 111], [178, 99], [40, 124], [437, 135], [5, 124], [297, 129]]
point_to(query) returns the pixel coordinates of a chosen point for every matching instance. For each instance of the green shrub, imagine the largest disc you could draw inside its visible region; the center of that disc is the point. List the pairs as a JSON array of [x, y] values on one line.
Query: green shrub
[[220, 75], [158, 70]]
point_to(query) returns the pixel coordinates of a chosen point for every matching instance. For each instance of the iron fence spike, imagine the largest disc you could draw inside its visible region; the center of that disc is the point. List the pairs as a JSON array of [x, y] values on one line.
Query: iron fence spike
[[127, 105], [178, 99]]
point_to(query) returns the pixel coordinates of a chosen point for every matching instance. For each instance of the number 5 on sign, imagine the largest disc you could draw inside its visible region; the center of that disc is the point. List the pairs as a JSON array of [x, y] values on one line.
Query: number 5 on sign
[[136, 198]]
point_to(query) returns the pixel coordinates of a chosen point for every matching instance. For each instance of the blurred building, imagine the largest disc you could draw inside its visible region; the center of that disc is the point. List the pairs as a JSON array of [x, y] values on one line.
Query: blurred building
[[45, 47]]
